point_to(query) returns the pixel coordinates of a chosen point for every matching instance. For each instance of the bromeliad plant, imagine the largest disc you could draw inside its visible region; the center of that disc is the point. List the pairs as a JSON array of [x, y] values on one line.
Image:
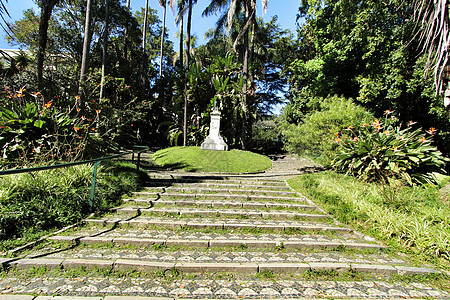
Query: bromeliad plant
[[386, 152]]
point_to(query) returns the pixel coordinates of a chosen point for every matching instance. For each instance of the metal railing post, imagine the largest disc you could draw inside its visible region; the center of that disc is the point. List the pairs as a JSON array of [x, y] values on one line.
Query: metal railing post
[[97, 162], [94, 177], [138, 164]]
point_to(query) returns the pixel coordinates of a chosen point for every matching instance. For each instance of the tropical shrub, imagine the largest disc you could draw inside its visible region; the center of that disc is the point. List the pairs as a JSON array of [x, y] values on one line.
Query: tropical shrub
[[36, 130], [313, 134], [384, 151]]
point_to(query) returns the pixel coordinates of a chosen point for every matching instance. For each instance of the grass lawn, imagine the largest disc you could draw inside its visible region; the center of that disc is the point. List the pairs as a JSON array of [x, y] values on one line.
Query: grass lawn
[[414, 220], [193, 159]]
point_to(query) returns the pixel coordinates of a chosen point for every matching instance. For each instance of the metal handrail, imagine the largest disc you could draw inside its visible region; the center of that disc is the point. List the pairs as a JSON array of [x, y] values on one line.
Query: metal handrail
[[97, 162]]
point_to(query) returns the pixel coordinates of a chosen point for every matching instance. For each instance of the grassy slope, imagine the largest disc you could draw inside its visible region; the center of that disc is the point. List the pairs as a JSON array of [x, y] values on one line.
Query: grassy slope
[[194, 159], [412, 219]]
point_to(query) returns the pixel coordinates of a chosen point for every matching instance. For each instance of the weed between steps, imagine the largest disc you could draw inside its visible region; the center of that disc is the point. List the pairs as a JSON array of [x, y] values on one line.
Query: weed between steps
[[439, 281], [90, 229]]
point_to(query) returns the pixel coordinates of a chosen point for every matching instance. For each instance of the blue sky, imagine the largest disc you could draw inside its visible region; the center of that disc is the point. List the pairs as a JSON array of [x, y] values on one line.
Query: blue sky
[[286, 11]]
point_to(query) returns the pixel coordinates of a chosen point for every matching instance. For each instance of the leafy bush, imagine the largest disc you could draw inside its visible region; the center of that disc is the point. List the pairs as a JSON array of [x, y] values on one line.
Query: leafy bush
[[34, 202], [382, 151], [313, 135], [35, 130]]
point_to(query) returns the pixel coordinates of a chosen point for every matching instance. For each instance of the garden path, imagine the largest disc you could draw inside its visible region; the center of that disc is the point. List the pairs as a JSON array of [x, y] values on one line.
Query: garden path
[[215, 236]]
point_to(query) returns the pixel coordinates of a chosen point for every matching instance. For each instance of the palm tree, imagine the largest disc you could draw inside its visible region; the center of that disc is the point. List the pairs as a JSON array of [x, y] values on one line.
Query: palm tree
[[179, 20], [163, 4], [432, 16], [3, 10], [249, 8], [46, 13]]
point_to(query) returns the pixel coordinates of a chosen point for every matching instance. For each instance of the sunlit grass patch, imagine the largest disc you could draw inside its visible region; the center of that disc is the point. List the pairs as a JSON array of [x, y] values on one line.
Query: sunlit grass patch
[[411, 218], [193, 159]]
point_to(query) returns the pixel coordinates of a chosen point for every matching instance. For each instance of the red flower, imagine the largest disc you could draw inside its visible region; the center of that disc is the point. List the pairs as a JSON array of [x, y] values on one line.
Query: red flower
[[432, 130]]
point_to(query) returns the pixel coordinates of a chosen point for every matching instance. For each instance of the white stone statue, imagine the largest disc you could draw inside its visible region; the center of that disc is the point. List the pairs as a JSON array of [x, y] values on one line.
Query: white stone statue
[[214, 141]]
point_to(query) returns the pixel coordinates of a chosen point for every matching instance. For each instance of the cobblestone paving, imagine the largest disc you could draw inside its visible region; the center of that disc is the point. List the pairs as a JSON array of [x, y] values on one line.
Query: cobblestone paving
[[225, 256], [217, 288], [129, 239]]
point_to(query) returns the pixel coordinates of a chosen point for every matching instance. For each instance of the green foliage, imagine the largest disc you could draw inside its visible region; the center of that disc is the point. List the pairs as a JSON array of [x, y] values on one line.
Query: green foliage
[[220, 83], [34, 202], [364, 50], [313, 136], [412, 218], [134, 104], [33, 129], [384, 151], [193, 159]]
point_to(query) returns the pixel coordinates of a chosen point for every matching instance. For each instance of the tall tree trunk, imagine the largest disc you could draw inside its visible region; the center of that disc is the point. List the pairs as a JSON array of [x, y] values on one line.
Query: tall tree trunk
[[144, 32], [162, 40], [188, 37], [125, 47], [86, 43], [105, 47], [181, 43], [46, 13], [245, 87], [183, 78], [252, 42], [186, 72]]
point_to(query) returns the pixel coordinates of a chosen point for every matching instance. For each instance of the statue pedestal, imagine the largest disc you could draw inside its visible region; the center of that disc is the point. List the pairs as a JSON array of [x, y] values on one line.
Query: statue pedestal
[[214, 141]]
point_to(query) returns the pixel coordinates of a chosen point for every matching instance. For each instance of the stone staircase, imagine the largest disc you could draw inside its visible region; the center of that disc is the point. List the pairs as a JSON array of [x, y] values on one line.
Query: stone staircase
[[217, 236]]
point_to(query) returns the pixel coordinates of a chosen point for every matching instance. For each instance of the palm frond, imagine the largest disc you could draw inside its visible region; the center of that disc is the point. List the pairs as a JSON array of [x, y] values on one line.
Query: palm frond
[[432, 17]]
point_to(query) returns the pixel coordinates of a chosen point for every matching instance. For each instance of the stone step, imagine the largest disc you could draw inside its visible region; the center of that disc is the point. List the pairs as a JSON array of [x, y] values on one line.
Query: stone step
[[230, 181], [197, 212], [172, 286], [216, 243], [153, 195], [204, 267], [197, 177], [200, 190], [218, 204], [54, 251], [222, 224], [214, 238], [235, 186]]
